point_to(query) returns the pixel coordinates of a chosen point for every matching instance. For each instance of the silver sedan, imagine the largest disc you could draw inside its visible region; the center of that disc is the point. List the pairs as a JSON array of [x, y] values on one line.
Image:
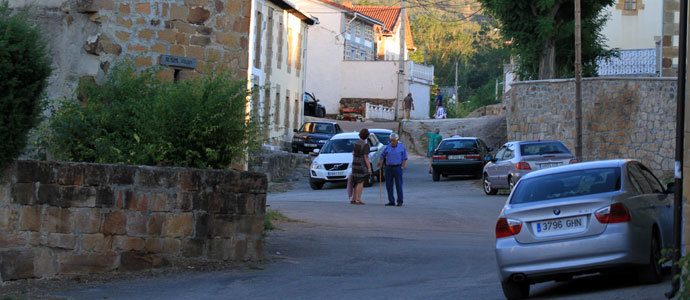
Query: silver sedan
[[583, 218]]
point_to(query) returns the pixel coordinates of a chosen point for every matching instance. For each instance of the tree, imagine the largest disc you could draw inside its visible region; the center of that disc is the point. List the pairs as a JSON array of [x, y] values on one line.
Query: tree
[[24, 69], [543, 35]]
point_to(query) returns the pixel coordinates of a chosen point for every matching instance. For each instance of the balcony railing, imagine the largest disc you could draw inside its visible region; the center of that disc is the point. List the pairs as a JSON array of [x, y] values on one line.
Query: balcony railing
[[421, 72]]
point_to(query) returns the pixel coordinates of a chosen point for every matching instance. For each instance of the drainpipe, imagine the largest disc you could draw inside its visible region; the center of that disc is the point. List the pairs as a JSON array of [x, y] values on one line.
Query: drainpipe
[[680, 135]]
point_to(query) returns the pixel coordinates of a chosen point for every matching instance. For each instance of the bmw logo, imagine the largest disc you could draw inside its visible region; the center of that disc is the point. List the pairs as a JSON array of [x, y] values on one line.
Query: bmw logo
[[556, 211]]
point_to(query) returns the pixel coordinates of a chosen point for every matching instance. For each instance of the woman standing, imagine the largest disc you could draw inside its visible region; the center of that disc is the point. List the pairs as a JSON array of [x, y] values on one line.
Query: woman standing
[[361, 168]]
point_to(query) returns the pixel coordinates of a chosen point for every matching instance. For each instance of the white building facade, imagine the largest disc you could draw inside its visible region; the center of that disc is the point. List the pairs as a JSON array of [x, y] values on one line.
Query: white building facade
[[278, 36]]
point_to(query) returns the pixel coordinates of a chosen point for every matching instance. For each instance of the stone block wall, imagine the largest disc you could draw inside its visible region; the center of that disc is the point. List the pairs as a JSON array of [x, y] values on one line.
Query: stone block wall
[[79, 218], [491, 129], [278, 165], [86, 37], [622, 117]]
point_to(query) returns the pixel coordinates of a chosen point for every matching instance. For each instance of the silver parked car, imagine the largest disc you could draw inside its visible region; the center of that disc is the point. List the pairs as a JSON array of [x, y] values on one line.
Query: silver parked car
[[517, 158], [583, 218]]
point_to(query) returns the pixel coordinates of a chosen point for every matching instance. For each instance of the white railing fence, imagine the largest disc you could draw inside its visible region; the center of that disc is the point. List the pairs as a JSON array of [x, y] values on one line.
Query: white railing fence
[[419, 71], [378, 112]]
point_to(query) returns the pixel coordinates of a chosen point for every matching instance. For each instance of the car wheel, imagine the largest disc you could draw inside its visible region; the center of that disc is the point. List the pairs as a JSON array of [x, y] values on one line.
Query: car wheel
[[515, 290], [651, 273], [487, 186], [315, 185], [511, 183], [370, 180], [435, 175]]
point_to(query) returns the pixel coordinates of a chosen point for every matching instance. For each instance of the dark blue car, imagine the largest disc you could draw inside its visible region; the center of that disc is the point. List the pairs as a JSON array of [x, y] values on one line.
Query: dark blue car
[[312, 135]]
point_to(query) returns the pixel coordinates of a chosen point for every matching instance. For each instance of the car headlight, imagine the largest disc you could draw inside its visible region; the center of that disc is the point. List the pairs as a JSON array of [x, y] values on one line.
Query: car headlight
[[322, 141], [315, 166]]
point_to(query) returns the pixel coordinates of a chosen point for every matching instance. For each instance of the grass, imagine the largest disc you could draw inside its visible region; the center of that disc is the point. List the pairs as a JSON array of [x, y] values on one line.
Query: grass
[[272, 215]]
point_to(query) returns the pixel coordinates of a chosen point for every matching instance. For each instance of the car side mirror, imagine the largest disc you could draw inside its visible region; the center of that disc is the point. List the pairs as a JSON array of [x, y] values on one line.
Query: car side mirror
[[671, 188]]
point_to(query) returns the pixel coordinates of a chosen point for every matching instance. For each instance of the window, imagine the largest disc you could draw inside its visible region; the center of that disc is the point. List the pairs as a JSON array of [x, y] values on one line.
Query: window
[[269, 42], [639, 182], [295, 120], [369, 33], [279, 53], [652, 180], [291, 52], [499, 155], [298, 62], [276, 112], [358, 31], [567, 184], [286, 120], [630, 4], [257, 40]]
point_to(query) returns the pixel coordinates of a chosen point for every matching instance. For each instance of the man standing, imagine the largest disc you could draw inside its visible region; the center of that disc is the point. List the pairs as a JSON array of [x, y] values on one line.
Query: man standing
[[408, 104], [395, 156], [440, 110]]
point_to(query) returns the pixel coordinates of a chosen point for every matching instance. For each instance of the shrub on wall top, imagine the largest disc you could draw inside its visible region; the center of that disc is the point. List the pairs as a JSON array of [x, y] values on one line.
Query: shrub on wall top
[[134, 118], [24, 69]]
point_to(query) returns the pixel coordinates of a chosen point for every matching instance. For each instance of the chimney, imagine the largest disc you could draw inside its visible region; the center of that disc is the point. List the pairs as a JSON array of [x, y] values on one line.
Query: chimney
[[347, 4]]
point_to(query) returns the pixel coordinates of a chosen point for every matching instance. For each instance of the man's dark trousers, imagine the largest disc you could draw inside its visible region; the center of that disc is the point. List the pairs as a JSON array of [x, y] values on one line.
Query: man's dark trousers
[[394, 174]]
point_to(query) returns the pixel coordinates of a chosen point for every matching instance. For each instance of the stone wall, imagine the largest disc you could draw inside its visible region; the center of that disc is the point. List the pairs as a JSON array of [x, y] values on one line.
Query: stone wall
[[278, 165], [86, 37], [489, 110], [78, 218], [622, 117], [491, 129]]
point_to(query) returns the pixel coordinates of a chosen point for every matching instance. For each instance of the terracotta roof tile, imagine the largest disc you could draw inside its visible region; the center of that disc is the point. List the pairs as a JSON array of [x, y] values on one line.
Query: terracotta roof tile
[[389, 15]]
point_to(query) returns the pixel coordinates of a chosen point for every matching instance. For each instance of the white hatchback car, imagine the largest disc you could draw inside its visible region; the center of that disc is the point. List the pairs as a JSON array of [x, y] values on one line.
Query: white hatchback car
[[334, 160]]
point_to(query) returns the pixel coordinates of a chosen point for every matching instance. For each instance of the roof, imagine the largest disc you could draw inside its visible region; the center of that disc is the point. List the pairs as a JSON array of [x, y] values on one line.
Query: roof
[[611, 163], [292, 8], [346, 135], [349, 9], [379, 130], [389, 15], [322, 122]]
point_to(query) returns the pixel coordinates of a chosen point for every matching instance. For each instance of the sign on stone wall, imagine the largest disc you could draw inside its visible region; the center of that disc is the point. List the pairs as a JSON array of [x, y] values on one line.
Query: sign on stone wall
[[178, 61]]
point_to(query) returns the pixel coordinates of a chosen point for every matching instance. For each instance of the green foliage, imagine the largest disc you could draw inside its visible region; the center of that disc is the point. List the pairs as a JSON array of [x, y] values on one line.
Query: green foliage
[[538, 25], [683, 264], [24, 69], [272, 215], [133, 118]]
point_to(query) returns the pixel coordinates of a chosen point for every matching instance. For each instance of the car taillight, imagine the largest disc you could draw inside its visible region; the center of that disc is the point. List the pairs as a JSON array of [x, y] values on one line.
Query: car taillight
[[473, 157], [574, 161], [523, 166], [615, 213], [507, 227], [440, 157]]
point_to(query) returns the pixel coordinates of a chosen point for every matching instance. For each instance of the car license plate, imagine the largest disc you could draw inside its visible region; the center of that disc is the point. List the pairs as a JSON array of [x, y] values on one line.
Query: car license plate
[[456, 157], [339, 173], [309, 145], [548, 165], [559, 226]]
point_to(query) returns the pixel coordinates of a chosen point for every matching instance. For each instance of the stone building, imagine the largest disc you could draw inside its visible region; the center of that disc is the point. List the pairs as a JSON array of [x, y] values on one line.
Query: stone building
[[86, 37]]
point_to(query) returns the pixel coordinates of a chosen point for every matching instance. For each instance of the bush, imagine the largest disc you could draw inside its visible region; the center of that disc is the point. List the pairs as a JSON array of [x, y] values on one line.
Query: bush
[[134, 118], [24, 69]]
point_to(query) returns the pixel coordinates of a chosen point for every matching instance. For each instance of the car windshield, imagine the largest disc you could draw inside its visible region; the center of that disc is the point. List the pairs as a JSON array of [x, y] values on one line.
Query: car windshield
[[458, 144], [339, 146], [542, 148], [317, 128], [384, 138], [568, 184]]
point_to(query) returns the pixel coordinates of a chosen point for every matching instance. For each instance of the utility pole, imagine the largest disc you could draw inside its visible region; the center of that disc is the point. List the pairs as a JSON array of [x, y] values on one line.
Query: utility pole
[[401, 61], [578, 82], [455, 91]]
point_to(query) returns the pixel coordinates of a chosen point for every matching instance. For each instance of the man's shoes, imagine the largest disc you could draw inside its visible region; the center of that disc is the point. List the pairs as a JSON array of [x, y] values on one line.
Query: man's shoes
[[390, 204], [399, 204]]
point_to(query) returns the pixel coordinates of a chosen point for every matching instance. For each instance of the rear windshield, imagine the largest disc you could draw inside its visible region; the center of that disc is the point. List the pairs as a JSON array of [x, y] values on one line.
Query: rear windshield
[[569, 184], [384, 138], [338, 146], [542, 148], [317, 128], [458, 144]]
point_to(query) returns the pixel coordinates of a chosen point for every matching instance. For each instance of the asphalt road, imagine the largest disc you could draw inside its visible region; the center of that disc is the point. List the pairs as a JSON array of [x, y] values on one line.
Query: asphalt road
[[439, 245]]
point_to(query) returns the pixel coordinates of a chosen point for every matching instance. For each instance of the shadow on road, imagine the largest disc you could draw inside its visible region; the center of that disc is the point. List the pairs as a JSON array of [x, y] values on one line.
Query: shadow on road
[[590, 284]]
